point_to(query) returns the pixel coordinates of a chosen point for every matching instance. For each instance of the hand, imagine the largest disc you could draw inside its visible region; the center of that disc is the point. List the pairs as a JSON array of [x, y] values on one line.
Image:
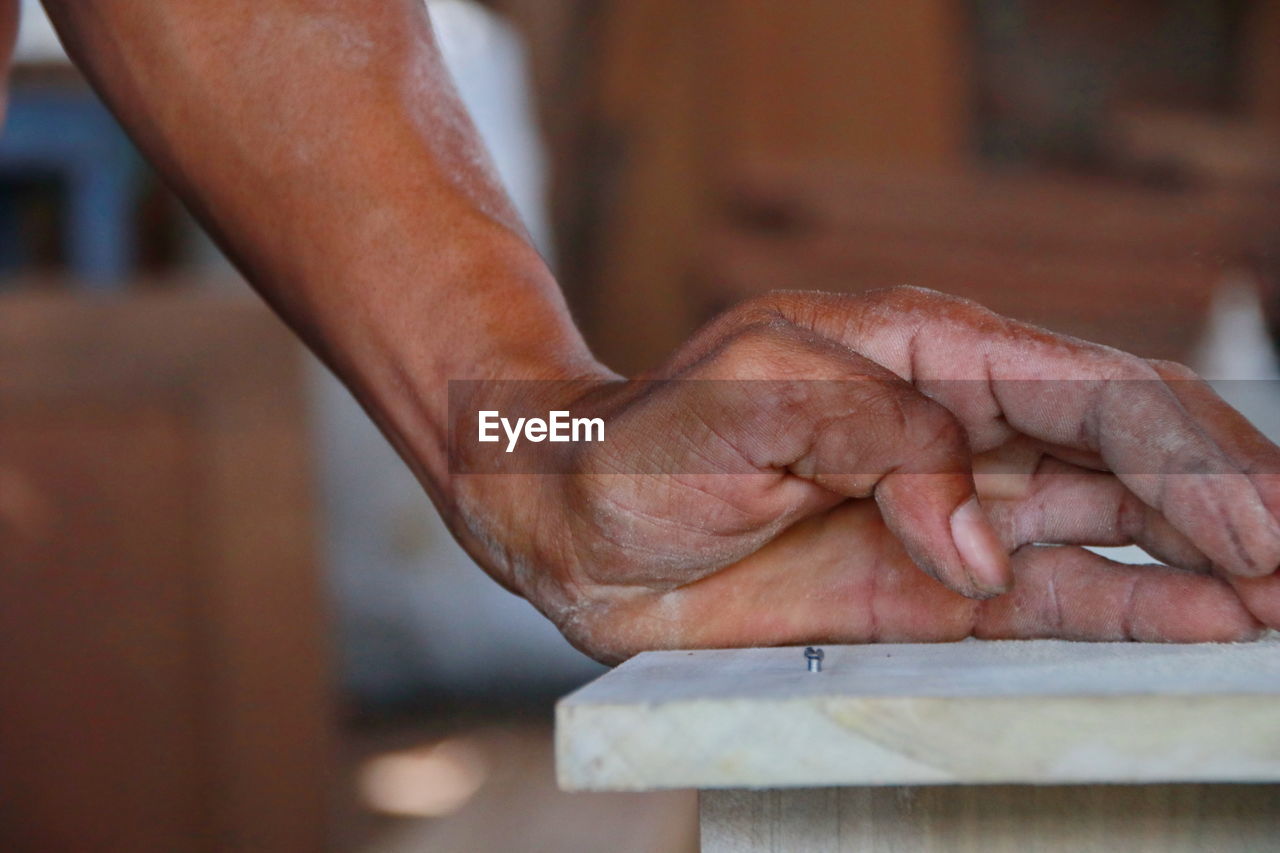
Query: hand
[[814, 452]]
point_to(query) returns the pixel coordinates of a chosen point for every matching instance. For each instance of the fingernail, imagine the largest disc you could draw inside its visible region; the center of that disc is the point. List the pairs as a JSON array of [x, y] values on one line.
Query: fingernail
[[980, 548]]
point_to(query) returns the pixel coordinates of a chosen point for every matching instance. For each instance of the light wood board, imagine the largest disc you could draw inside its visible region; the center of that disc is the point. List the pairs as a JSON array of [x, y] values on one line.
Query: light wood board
[[1038, 712]]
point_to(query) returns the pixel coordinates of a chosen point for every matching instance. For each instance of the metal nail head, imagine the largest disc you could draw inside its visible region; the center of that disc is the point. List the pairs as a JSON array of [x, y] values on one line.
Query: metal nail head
[[814, 657]]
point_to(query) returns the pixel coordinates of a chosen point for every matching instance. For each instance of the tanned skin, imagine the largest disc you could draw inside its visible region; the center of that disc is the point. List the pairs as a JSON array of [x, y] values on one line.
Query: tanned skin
[[323, 146]]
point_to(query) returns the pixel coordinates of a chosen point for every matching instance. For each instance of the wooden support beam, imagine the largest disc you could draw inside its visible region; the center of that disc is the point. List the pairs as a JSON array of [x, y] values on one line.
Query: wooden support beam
[[993, 819]]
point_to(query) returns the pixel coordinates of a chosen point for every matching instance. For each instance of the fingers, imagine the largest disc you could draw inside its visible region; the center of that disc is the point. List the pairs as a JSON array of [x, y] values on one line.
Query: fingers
[[1261, 596], [869, 434], [1001, 378], [1067, 505], [1251, 451], [1006, 473], [841, 577], [1075, 594], [1159, 450], [1258, 457]]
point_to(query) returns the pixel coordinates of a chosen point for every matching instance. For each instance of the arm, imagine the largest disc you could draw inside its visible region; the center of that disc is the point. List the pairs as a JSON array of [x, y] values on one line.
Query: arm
[[321, 143], [324, 147]]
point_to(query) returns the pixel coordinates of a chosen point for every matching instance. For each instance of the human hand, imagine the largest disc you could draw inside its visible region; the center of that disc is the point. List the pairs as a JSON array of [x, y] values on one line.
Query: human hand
[[792, 469]]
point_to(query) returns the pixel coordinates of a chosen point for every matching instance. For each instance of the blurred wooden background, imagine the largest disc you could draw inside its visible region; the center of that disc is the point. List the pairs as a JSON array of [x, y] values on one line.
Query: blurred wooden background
[[1093, 166], [163, 655], [706, 151]]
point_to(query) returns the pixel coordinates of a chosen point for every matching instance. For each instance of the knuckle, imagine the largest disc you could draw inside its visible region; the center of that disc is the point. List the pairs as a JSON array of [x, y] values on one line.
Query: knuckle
[[1173, 370], [803, 309], [907, 419], [776, 351], [780, 400], [935, 426], [910, 297], [1131, 516], [921, 305], [771, 302], [907, 293], [1124, 367], [890, 408], [762, 333], [753, 350], [771, 308]]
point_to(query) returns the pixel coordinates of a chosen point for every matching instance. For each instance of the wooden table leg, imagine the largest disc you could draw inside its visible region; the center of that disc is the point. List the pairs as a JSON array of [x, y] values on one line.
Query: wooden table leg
[[993, 819]]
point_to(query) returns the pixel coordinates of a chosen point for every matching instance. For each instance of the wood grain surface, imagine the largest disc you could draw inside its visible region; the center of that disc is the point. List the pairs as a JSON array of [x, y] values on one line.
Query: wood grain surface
[[1040, 712]]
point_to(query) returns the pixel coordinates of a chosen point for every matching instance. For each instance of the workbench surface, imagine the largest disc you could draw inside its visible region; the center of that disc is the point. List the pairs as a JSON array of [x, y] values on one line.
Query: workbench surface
[[1039, 712]]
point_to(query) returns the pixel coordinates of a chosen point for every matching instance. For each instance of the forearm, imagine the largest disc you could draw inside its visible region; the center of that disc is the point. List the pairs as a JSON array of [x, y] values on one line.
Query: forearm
[[323, 146]]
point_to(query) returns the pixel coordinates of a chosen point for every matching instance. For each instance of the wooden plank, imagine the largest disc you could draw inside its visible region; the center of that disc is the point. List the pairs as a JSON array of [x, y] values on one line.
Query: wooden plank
[[1041, 712], [993, 819]]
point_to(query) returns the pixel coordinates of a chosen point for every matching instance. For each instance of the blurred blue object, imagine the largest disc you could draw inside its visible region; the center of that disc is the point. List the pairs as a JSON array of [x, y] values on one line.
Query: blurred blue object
[[66, 134]]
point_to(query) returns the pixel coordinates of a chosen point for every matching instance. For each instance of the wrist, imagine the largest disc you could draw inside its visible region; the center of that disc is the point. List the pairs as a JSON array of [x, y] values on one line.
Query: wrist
[[508, 498], [484, 318]]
